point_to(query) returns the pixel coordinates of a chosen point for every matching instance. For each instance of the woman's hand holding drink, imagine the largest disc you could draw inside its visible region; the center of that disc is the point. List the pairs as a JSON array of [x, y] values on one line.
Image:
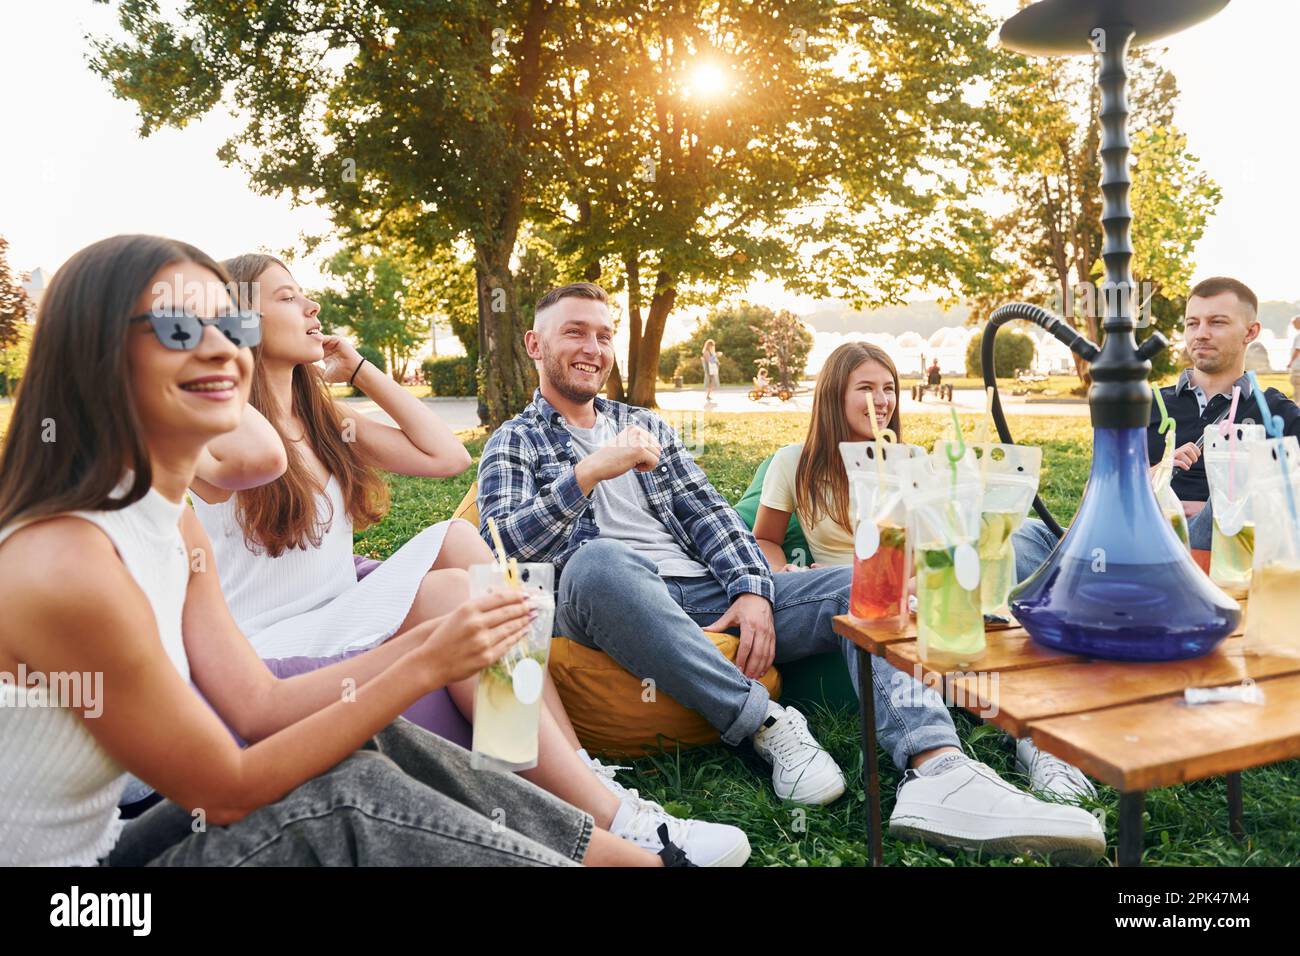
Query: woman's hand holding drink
[[481, 631]]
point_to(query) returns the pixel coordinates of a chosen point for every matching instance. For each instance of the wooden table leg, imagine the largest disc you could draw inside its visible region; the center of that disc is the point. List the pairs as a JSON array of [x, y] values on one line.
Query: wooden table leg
[[1235, 825], [1130, 827], [870, 766]]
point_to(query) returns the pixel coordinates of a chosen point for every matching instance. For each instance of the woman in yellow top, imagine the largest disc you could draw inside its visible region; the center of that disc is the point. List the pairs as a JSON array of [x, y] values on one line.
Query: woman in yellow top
[[810, 480]]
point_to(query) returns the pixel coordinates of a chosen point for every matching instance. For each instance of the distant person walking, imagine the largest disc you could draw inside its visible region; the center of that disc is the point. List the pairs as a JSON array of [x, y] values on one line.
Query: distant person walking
[[710, 359], [1294, 364]]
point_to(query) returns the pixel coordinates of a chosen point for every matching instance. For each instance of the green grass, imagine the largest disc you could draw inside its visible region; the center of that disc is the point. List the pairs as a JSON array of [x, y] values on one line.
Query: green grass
[[1185, 825]]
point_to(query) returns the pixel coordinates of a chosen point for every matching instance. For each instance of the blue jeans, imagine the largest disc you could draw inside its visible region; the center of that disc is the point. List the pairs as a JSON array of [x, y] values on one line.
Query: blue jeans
[[613, 599], [1033, 542]]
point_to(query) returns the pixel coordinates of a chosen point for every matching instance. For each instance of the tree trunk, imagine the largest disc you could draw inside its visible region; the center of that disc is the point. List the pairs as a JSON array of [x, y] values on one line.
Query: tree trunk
[[644, 372], [614, 386], [506, 374]]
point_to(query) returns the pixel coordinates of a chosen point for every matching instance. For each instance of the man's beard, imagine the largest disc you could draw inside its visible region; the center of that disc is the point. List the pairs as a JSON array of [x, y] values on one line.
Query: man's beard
[[1211, 364], [557, 373]]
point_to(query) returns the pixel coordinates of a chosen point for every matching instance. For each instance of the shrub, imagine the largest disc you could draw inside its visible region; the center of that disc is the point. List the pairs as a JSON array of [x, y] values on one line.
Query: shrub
[[1013, 350], [450, 377]]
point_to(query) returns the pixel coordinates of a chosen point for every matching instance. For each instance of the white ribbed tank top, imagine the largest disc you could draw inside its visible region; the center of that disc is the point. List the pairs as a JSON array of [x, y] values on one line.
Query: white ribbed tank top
[[261, 590], [59, 789]]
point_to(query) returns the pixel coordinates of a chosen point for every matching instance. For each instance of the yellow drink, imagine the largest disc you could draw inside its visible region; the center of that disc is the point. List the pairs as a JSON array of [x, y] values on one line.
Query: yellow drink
[[997, 560], [1231, 557], [1178, 521], [1274, 609], [504, 728]]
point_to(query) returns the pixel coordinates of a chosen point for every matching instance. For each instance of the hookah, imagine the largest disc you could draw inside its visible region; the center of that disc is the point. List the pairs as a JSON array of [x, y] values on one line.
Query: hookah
[[1119, 584]]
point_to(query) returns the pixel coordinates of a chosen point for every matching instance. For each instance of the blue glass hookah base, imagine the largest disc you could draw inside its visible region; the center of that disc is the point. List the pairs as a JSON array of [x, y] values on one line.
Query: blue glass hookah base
[[1121, 585]]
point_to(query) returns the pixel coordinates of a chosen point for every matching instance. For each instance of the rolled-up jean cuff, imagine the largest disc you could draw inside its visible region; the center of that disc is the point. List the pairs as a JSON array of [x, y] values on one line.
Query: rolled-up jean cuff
[[919, 741], [584, 838], [751, 716]]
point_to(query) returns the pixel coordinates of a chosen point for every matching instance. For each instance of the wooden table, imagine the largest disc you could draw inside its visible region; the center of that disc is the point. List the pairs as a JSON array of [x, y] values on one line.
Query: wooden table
[[1124, 724]]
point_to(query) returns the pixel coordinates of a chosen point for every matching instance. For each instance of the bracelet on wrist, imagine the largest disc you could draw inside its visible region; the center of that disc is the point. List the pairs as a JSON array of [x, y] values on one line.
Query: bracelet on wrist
[[357, 369]]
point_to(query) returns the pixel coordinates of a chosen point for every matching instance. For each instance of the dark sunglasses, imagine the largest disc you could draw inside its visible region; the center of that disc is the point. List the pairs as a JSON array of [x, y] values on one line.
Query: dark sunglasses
[[182, 329]]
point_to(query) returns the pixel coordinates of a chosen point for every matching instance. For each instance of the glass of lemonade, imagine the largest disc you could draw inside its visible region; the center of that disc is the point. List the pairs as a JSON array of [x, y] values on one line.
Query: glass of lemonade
[[508, 700]]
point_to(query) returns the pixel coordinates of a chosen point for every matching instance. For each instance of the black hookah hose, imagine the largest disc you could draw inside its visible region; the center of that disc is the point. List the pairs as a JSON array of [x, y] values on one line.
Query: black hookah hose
[[1057, 328]]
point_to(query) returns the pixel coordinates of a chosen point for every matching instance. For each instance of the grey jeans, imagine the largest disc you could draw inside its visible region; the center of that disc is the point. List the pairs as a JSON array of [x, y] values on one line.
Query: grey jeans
[[612, 598], [407, 798]]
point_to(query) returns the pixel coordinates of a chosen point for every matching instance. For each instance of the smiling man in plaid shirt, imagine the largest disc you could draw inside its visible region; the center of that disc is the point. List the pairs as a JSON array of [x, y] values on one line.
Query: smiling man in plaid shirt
[[647, 553]]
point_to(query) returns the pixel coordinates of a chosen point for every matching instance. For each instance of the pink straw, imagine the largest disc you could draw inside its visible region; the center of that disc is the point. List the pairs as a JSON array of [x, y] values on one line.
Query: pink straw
[[1232, 438]]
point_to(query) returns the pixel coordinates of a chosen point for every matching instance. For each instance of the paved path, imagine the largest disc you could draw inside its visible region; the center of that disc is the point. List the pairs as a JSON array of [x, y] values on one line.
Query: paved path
[[461, 413]]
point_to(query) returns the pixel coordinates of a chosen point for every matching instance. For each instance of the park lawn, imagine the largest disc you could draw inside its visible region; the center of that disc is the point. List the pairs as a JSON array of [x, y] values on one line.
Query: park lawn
[[1186, 826]]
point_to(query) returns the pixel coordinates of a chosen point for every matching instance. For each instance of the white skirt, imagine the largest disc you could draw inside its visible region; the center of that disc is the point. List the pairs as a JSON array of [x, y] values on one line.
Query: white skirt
[[365, 614]]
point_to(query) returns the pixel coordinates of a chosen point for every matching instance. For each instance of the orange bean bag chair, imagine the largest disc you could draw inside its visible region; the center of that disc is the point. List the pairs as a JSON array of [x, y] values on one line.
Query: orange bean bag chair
[[613, 711]]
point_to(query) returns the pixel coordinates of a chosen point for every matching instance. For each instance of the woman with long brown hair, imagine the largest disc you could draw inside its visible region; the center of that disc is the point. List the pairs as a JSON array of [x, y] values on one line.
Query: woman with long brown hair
[[284, 550], [129, 660], [809, 480]]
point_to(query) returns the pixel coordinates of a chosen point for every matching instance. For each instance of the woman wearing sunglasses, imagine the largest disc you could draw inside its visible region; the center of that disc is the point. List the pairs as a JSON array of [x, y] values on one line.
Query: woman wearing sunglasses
[[114, 618], [284, 550]]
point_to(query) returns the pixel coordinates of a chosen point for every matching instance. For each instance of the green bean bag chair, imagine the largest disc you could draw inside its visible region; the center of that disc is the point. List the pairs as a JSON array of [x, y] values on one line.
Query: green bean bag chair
[[820, 679]]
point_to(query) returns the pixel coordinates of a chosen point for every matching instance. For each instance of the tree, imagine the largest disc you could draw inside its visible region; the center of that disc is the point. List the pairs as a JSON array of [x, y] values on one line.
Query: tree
[[418, 119], [14, 303], [373, 305], [704, 143], [1013, 350], [1046, 151], [785, 342], [733, 330], [13, 359]]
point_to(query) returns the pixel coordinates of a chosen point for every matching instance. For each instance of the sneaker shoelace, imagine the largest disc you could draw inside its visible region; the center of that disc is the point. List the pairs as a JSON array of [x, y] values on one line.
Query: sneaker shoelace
[[1052, 768], [785, 741], [650, 821], [610, 775]]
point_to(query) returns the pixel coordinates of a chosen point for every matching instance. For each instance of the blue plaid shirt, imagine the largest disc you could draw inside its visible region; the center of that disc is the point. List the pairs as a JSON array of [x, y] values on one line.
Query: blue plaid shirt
[[526, 483]]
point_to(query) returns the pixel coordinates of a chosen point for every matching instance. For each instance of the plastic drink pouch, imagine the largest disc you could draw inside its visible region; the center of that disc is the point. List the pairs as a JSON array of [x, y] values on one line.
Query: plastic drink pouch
[[881, 551], [1227, 466], [1273, 612], [1008, 476], [943, 522], [508, 698], [1170, 505]]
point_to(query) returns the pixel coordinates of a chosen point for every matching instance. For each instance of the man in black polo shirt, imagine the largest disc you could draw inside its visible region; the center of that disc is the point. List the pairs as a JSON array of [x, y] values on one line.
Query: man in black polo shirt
[[1220, 321]]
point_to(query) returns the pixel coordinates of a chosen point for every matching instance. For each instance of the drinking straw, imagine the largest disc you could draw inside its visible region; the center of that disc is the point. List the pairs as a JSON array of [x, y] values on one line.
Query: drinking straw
[[1224, 425], [1273, 425], [959, 442], [1167, 423], [984, 436], [880, 451]]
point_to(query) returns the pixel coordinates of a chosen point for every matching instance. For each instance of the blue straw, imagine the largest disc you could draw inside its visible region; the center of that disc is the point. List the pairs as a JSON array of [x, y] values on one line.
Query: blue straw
[[1273, 425]]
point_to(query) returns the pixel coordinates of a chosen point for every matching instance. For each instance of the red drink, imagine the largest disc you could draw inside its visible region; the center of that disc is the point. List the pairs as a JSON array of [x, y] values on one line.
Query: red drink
[[880, 582]]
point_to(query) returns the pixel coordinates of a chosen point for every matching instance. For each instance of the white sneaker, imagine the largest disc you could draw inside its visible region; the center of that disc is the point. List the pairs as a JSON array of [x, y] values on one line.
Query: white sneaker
[[802, 770], [705, 844], [1052, 776], [638, 821], [971, 807]]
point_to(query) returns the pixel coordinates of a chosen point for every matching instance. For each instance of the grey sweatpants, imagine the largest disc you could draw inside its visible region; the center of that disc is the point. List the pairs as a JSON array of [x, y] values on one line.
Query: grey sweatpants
[[407, 798]]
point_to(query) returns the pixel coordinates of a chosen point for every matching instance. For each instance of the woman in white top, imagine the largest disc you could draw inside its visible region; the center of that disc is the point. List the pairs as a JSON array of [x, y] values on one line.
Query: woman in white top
[[710, 359], [810, 480], [112, 603], [284, 549]]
